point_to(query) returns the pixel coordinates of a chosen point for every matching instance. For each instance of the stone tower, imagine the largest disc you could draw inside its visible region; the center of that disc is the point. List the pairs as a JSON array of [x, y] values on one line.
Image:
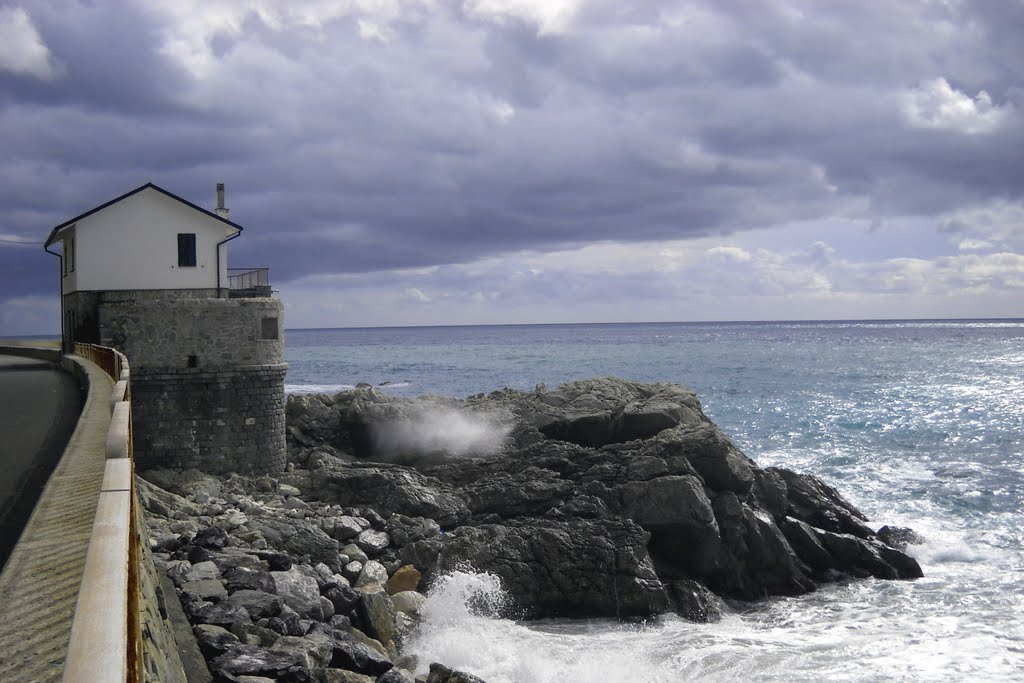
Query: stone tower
[[147, 274]]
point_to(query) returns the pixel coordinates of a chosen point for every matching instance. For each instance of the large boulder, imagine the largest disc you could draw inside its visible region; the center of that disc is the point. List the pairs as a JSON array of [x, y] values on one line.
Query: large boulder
[[252, 660], [606, 498], [601, 411], [390, 489], [300, 592], [813, 501], [571, 567]]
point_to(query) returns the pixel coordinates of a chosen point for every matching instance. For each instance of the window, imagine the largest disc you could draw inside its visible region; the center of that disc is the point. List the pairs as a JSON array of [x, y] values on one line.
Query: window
[[69, 255], [268, 328], [186, 249]]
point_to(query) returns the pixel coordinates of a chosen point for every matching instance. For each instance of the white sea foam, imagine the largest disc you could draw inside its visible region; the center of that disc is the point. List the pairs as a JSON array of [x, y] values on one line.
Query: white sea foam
[[316, 388], [840, 633], [335, 388], [443, 428], [462, 628]]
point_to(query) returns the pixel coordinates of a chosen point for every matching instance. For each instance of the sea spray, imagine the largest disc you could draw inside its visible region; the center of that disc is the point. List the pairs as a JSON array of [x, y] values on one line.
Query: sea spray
[[444, 429], [462, 625]]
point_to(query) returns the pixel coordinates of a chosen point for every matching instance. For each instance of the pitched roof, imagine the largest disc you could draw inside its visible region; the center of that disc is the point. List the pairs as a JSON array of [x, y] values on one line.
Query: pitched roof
[[211, 214]]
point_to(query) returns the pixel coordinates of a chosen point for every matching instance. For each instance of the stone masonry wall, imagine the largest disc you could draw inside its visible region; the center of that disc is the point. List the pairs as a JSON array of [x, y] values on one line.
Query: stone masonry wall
[[82, 309], [207, 374], [160, 660], [217, 421], [157, 331]]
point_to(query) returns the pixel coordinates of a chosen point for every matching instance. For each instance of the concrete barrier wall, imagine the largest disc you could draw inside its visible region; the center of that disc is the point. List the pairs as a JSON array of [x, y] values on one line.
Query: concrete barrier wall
[[52, 355], [119, 632]]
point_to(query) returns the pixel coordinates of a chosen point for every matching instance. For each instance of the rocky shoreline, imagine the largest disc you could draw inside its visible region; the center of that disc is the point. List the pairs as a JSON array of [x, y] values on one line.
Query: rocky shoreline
[[601, 498]]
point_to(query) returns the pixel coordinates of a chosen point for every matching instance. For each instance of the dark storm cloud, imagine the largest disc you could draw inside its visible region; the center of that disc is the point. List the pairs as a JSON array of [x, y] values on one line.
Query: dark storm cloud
[[107, 60], [457, 136]]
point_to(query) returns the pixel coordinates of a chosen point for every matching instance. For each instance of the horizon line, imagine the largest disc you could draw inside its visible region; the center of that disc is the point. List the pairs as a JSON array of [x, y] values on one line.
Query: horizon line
[[663, 322], [46, 336]]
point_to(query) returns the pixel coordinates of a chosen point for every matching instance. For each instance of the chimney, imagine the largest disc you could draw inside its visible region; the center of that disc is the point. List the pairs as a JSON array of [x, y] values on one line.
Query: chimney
[[220, 210]]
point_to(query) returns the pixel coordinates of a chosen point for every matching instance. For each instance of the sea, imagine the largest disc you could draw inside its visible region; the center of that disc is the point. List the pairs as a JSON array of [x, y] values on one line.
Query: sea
[[920, 423]]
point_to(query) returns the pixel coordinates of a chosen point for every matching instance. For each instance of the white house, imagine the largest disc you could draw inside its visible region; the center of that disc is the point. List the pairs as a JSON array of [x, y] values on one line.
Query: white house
[[147, 273], [149, 239]]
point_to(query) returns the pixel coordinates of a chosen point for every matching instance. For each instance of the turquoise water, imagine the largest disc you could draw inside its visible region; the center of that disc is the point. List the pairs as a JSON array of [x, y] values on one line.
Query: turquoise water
[[920, 423]]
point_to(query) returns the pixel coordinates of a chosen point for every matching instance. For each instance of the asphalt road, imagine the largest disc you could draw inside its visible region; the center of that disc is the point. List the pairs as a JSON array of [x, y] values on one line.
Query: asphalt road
[[39, 408]]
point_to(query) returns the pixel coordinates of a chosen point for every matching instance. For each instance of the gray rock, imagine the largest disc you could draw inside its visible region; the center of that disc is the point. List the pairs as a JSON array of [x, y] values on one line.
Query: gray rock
[[252, 660], [258, 604], [677, 512], [309, 541], [390, 489], [694, 601], [355, 553], [899, 537], [720, 464], [247, 579], [254, 634], [227, 559], [221, 614], [352, 655], [214, 640], [352, 571], [206, 589], [288, 490], [211, 538], [408, 602], [326, 608], [343, 598], [347, 527], [372, 572], [813, 501], [804, 541], [157, 501], [202, 571], [442, 674], [396, 675], [369, 642], [558, 568], [377, 613], [373, 542], [312, 651], [299, 592], [596, 412], [755, 558], [342, 676]]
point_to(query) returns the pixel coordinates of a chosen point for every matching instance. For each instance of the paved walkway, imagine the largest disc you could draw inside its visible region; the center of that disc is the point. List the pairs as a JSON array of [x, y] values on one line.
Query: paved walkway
[[41, 404], [39, 584]]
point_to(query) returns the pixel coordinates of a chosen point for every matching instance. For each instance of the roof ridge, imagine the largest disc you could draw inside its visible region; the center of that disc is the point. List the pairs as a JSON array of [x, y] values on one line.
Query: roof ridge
[[126, 195]]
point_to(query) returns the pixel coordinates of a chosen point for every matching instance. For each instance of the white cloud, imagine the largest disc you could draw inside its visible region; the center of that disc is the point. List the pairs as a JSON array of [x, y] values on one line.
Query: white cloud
[[503, 111], [973, 245], [999, 221], [371, 30], [735, 254], [415, 294], [549, 16], [22, 50], [193, 24], [938, 106]]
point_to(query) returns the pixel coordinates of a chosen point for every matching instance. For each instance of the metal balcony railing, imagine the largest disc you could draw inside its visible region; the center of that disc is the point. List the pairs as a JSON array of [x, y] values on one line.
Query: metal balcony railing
[[247, 282]]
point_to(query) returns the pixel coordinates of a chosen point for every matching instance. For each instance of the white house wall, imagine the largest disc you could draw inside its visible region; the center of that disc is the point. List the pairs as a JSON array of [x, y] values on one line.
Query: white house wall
[[133, 244]]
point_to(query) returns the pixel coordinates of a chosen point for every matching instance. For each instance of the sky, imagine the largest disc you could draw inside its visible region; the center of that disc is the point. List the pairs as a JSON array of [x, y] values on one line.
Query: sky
[[431, 162]]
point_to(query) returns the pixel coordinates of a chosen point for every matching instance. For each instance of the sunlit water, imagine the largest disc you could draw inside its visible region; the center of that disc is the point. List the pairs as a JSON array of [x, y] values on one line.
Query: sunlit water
[[919, 423]]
